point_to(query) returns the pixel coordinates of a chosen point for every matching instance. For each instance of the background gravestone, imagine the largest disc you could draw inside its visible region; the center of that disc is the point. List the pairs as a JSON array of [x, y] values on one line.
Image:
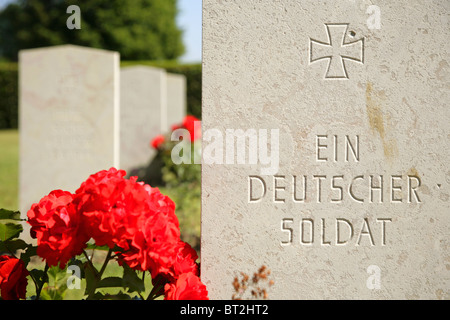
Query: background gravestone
[[143, 113], [359, 205], [69, 118], [176, 99]]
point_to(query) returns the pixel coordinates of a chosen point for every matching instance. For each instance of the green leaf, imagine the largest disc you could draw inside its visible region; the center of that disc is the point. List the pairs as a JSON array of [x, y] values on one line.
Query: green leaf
[[107, 296], [9, 231], [10, 215], [91, 246], [55, 273], [110, 282], [90, 275], [132, 281], [53, 294], [77, 262], [40, 277], [13, 245], [30, 252]]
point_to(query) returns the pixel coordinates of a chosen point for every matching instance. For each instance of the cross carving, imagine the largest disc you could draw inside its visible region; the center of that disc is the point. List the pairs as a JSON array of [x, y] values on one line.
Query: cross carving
[[336, 50]]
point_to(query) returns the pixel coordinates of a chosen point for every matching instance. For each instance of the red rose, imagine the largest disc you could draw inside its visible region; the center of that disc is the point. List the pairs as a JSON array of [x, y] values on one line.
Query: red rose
[[56, 224], [179, 259], [191, 124], [187, 287], [133, 216], [112, 207], [158, 141], [13, 278], [155, 244], [184, 260]]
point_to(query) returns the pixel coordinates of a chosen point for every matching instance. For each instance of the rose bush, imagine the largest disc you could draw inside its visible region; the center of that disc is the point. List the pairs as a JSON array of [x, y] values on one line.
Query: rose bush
[[134, 222], [13, 278], [186, 287], [182, 182], [190, 123]]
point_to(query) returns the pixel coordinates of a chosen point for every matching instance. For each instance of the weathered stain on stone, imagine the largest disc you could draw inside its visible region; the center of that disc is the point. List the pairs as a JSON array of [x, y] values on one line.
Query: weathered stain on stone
[[442, 70], [413, 172], [376, 120], [374, 112]]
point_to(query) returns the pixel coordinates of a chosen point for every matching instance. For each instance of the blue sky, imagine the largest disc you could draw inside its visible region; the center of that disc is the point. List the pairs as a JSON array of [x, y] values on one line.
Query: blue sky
[[190, 20], [3, 3]]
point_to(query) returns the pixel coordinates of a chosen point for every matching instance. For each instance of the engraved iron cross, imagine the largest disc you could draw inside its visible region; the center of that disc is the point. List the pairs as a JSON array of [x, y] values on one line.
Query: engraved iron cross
[[336, 50]]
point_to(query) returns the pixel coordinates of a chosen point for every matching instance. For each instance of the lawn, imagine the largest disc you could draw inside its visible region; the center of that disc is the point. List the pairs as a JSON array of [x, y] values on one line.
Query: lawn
[[9, 168]]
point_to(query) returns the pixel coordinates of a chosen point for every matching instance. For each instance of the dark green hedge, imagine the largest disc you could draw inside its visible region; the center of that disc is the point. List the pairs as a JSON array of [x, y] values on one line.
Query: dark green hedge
[[8, 96], [9, 88]]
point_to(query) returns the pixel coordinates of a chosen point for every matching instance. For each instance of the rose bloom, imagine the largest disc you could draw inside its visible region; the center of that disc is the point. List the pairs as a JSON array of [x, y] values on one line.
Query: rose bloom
[[187, 287], [191, 124], [184, 261], [56, 224], [155, 244], [153, 247], [13, 278], [133, 216], [158, 141], [112, 207]]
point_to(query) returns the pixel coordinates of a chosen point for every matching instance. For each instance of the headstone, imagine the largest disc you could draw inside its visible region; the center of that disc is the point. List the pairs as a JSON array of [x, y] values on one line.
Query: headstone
[[338, 181], [143, 114], [69, 118], [176, 99]]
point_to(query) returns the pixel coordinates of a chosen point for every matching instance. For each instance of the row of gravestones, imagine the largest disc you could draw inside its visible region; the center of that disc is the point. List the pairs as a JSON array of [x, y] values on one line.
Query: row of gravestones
[[81, 113]]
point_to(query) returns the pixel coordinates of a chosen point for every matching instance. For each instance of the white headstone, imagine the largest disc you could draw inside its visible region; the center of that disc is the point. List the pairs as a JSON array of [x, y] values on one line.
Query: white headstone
[[69, 118], [359, 95], [152, 100], [143, 113], [176, 99]]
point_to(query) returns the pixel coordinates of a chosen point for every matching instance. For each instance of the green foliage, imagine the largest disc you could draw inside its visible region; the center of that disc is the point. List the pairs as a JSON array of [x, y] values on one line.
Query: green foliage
[[182, 183], [9, 231], [8, 96], [51, 283], [9, 215], [9, 163], [138, 29], [9, 227]]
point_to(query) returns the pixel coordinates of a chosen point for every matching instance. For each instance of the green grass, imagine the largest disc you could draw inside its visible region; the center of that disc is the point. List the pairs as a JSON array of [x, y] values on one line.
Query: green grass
[[57, 286], [9, 168]]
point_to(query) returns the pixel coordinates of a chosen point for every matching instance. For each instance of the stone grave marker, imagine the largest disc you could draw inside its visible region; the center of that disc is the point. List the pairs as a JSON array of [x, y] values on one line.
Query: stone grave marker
[[176, 99], [69, 118], [143, 113], [325, 148]]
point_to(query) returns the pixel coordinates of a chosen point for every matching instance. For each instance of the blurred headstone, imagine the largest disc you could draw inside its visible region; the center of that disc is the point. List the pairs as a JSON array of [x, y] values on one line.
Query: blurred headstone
[[69, 118]]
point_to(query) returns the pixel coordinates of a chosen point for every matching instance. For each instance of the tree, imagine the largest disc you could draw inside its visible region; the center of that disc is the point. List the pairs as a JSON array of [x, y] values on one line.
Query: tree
[[138, 29]]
